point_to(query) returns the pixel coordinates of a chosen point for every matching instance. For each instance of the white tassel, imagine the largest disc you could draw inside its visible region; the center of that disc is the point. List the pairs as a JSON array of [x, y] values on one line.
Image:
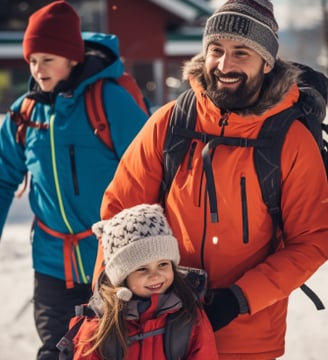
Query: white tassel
[[124, 294]]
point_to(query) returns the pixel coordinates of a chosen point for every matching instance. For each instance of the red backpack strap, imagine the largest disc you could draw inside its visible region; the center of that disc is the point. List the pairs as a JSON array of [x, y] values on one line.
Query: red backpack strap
[[130, 84], [70, 242], [81, 327], [95, 109], [96, 113], [22, 120]]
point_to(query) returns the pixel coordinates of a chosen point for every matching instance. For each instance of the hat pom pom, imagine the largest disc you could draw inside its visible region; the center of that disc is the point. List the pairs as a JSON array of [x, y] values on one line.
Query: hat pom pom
[[124, 294]]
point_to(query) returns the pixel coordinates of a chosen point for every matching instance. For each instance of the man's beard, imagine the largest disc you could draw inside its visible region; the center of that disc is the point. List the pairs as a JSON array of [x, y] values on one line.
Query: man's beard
[[244, 95]]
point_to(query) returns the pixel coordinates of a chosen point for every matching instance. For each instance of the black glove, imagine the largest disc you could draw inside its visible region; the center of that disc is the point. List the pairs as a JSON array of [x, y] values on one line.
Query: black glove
[[222, 306]]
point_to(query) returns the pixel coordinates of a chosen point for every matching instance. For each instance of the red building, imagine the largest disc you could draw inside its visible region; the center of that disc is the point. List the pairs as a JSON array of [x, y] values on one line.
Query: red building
[[156, 36]]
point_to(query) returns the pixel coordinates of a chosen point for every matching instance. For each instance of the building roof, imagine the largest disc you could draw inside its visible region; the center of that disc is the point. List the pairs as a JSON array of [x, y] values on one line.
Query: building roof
[[11, 44], [188, 10], [185, 40]]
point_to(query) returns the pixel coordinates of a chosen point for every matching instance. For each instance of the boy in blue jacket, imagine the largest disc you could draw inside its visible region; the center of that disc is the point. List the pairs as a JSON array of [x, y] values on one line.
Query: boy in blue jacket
[[69, 167]]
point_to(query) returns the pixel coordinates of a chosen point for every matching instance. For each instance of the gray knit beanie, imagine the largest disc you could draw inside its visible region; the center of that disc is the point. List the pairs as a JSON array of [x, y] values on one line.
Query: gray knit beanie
[[249, 21], [135, 237]]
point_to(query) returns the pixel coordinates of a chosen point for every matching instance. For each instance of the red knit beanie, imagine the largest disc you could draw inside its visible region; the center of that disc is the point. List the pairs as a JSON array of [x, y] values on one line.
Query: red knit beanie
[[54, 29]]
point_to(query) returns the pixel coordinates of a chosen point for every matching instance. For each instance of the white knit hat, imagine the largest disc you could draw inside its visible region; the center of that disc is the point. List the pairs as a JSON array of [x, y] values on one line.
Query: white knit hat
[[135, 237]]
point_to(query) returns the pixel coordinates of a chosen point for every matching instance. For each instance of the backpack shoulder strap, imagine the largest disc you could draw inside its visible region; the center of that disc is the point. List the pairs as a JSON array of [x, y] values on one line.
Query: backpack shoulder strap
[[96, 113], [65, 344], [127, 81], [22, 119], [267, 161], [177, 336], [183, 118], [313, 107], [267, 165], [112, 348]]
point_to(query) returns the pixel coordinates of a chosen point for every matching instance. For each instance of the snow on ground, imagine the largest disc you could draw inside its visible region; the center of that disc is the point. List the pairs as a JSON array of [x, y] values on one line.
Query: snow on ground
[[307, 333]]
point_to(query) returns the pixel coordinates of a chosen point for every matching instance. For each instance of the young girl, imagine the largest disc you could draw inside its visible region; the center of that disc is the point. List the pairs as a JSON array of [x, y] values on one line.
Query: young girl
[[140, 289]]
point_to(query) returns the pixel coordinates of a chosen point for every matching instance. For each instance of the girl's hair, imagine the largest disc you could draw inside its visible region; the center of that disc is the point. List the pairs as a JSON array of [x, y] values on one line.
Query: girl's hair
[[188, 295], [112, 324]]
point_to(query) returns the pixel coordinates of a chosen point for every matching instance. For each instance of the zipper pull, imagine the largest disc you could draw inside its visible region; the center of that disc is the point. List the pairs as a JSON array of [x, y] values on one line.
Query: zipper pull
[[224, 121]]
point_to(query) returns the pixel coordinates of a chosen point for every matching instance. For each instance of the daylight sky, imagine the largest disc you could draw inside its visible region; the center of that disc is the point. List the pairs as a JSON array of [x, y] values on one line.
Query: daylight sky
[[291, 13]]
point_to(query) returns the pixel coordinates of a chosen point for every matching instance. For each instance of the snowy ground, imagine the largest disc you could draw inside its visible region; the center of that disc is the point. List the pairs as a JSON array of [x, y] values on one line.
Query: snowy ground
[[307, 334]]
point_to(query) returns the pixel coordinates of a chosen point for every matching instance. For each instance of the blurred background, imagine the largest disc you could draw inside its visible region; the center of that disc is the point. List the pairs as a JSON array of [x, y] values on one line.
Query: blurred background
[[156, 36]]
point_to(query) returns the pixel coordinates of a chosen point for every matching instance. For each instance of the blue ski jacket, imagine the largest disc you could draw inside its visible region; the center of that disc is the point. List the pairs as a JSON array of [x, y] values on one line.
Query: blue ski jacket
[[68, 166]]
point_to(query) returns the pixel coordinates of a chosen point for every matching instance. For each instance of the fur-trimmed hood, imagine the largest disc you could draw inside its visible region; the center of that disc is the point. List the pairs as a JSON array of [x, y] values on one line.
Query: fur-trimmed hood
[[276, 84]]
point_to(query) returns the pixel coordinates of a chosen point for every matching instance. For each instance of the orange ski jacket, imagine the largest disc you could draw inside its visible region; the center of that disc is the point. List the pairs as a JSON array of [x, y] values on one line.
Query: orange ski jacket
[[266, 279]]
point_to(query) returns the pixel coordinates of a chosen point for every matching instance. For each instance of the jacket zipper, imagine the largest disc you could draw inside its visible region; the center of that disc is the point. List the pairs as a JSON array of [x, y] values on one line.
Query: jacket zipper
[[59, 196], [244, 210], [223, 122], [202, 256], [73, 168]]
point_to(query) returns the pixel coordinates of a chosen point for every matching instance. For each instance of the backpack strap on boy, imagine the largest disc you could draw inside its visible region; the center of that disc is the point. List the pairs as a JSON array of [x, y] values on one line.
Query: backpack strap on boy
[[94, 108], [128, 82], [96, 113], [22, 120]]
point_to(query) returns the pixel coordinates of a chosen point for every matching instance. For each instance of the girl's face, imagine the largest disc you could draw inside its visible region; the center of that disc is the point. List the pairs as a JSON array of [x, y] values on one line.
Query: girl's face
[[47, 69], [153, 278]]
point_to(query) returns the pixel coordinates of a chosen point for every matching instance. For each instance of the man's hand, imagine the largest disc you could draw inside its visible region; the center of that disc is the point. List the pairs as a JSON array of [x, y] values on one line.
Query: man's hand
[[222, 306]]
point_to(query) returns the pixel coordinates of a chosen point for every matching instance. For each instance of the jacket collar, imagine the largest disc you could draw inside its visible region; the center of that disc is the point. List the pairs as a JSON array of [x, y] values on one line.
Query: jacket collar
[[156, 305]]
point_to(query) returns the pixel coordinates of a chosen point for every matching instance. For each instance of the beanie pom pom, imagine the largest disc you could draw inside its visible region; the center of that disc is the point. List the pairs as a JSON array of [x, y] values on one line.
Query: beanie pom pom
[[124, 294]]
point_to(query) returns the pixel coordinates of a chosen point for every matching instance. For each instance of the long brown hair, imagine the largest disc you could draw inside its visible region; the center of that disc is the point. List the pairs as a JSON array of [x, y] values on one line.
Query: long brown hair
[[112, 322]]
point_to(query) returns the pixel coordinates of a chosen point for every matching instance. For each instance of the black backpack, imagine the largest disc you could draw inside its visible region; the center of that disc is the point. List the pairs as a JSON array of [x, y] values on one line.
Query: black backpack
[[310, 110], [176, 333]]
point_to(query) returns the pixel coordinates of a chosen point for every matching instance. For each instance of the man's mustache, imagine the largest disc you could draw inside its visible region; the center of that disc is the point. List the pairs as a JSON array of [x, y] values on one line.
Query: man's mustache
[[231, 75]]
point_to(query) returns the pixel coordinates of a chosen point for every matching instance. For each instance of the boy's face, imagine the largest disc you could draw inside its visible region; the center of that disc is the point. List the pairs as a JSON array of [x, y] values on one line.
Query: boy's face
[[153, 278], [47, 69], [234, 74]]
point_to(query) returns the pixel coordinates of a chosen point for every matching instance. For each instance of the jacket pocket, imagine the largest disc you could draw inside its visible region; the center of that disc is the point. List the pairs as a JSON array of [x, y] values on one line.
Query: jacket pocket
[[244, 209], [73, 169]]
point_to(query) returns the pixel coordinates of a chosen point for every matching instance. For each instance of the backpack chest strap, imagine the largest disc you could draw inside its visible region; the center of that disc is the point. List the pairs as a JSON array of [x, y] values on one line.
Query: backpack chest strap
[[70, 241], [142, 336], [207, 163]]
